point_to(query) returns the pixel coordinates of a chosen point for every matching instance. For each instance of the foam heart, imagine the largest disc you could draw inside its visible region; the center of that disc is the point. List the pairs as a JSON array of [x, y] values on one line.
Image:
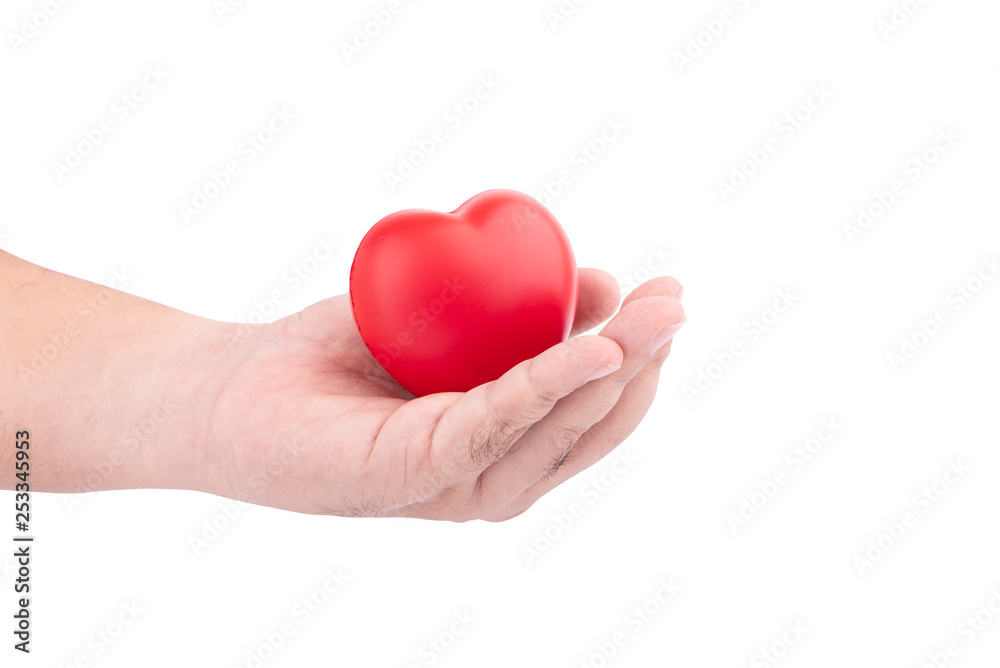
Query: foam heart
[[448, 301]]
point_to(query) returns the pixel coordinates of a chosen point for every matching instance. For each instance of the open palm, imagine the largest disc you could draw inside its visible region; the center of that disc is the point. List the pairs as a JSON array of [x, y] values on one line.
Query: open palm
[[300, 416]]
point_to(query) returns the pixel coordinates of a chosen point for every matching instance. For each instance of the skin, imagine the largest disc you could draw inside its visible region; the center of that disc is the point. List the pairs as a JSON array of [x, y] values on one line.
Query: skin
[[118, 392]]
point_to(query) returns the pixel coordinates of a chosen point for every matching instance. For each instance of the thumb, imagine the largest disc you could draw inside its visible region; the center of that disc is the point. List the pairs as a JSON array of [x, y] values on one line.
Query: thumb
[[486, 422]]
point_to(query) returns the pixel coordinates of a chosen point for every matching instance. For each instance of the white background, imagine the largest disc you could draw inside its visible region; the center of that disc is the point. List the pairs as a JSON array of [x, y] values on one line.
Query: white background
[[655, 189]]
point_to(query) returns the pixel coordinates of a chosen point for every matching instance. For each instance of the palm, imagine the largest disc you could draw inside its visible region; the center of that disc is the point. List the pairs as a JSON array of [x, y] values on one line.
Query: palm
[[308, 421]]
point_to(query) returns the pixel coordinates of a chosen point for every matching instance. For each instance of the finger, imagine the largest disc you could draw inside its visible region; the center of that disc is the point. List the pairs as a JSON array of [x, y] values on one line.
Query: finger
[[487, 422], [642, 327], [599, 441], [598, 299], [662, 285], [620, 422]]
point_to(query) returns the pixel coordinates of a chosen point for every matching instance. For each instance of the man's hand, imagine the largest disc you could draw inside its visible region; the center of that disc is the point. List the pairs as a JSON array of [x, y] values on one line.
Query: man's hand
[[298, 415], [307, 401]]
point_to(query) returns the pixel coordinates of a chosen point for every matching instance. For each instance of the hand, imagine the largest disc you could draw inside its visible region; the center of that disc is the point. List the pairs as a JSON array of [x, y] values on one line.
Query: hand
[[298, 415]]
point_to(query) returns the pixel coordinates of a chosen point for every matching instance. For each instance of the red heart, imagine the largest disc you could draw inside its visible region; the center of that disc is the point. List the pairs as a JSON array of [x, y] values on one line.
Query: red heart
[[449, 301]]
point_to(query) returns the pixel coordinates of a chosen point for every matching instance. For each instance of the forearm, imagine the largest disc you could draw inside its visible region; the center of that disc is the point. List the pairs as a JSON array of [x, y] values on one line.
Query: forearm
[[100, 379]]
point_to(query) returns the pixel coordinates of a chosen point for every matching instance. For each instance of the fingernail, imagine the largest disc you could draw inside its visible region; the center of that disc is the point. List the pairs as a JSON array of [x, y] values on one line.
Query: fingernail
[[667, 334], [602, 371], [680, 294]]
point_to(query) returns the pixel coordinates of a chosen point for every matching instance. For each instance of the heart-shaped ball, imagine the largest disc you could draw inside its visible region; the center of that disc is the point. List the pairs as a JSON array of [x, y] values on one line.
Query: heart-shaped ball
[[449, 301]]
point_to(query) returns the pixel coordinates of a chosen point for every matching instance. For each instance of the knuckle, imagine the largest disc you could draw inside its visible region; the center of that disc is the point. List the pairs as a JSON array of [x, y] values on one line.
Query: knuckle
[[539, 399], [566, 437], [565, 440], [539, 404], [490, 442]]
